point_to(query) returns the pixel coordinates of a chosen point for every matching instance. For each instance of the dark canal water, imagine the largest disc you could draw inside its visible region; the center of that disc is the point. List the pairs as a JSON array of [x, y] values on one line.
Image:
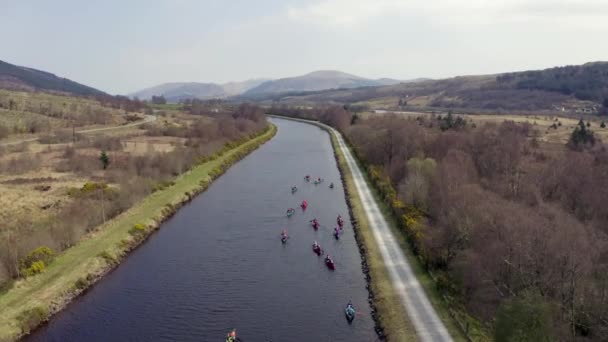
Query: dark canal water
[[219, 263]]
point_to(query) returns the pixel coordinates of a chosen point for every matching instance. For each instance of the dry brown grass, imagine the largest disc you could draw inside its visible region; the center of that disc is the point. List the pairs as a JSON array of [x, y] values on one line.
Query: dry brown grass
[[144, 144], [542, 123], [19, 196]]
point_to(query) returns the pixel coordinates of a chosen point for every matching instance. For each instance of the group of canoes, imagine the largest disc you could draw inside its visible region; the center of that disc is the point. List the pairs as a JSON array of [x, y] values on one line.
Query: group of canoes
[[316, 247], [316, 181]]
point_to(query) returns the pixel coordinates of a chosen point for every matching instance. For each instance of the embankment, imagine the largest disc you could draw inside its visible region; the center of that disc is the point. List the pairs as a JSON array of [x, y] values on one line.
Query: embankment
[[32, 300]]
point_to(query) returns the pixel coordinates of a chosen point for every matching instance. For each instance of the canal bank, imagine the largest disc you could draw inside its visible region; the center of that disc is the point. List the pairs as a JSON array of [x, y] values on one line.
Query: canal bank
[[33, 300], [219, 264]]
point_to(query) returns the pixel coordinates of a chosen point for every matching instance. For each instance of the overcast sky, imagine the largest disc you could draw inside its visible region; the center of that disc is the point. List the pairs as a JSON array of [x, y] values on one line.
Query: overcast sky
[[121, 46]]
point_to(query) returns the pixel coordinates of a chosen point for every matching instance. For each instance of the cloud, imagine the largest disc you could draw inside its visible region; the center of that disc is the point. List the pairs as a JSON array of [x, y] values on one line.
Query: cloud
[[350, 14]]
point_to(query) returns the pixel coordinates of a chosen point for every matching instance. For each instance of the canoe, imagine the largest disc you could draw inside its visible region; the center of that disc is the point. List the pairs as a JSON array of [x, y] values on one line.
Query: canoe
[[317, 250], [350, 312]]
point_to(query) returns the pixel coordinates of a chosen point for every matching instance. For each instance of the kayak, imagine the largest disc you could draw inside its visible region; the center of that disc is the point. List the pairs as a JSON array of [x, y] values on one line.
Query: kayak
[[331, 186], [340, 222], [337, 234], [290, 212], [315, 224], [350, 312], [293, 190], [330, 264], [232, 337], [284, 238], [317, 249]]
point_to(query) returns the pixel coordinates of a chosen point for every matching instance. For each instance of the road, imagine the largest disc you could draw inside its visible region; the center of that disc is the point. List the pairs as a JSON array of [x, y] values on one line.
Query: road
[[149, 118], [427, 323]]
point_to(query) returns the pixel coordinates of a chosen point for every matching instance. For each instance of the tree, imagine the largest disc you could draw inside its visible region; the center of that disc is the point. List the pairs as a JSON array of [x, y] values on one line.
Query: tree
[[525, 318], [158, 99], [450, 122], [581, 136], [105, 160]]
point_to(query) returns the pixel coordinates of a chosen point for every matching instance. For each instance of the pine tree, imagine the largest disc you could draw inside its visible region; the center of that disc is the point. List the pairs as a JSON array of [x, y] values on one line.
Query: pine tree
[[105, 160], [581, 136]]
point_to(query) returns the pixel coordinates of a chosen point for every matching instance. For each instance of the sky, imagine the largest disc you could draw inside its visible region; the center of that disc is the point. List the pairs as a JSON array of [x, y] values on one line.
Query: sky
[[121, 46]]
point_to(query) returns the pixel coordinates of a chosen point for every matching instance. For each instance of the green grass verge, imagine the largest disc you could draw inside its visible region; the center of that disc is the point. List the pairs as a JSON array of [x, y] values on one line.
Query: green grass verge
[[80, 266]]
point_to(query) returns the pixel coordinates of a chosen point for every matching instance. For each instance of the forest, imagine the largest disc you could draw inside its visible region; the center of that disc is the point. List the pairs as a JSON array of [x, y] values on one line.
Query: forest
[[586, 82], [512, 228]]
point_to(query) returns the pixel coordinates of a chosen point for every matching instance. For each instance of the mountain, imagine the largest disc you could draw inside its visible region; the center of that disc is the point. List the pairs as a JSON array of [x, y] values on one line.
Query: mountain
[[317, 80], [21, 78], [572, 89], [236, 88], [176, 91]]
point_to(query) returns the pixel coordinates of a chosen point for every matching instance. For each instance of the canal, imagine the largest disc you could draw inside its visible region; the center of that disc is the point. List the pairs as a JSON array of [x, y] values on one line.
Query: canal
[[219, 263]]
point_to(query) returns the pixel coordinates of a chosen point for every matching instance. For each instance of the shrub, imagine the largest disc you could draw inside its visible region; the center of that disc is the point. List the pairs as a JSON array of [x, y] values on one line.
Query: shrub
[[105, 255], [36, 261], [162, 185], [36, 267], [81, 284], [124, 244], [138, 230], [30, 319], [92, 186]]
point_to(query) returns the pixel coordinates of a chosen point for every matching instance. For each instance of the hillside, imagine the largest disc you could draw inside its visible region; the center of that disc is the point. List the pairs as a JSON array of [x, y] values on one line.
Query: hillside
[[236, 88], [570, 89], [318, 80], [14, 77], [176, 91]]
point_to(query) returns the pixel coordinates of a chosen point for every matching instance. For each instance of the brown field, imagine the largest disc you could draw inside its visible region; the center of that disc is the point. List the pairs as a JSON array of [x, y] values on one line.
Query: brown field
[[542, 123]]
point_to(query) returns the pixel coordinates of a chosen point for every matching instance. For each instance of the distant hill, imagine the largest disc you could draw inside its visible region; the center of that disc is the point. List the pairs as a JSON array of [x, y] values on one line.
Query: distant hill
[[16, 77], [176, 91], [318, 80], [236, 88], [574, 89]]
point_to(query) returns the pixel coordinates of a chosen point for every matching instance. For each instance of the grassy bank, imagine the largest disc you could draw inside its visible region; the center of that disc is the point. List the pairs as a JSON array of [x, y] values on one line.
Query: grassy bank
[[30, 301]]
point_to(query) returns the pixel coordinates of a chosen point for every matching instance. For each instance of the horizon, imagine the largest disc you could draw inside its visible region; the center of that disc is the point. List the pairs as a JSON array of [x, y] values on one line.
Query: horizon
[[147, 44]]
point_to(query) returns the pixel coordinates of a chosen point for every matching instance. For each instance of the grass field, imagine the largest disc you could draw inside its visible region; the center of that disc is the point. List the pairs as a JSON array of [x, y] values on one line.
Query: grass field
[[56, 286]]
